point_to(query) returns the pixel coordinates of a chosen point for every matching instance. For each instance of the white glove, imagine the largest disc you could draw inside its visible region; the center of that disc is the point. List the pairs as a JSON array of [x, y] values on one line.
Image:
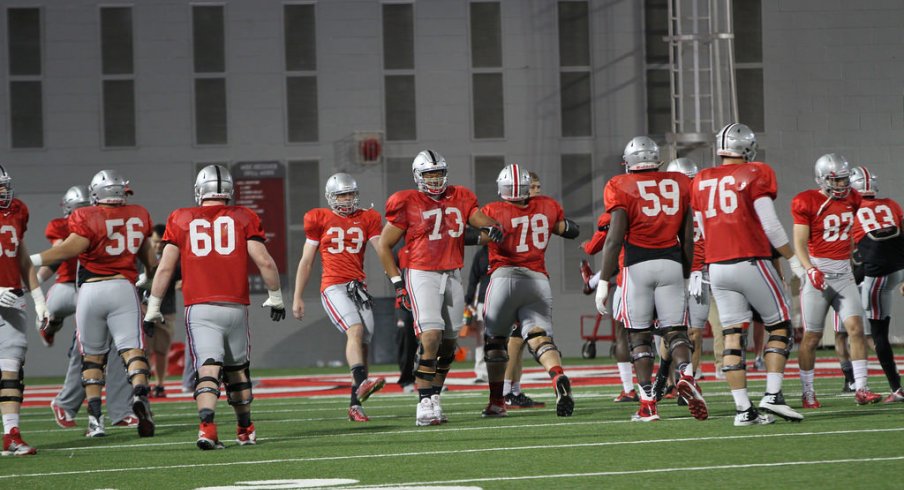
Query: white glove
[[42, 316], [153, 315], [602, 294], [8, 297], [142, 282], [797, 268], [695, 284]]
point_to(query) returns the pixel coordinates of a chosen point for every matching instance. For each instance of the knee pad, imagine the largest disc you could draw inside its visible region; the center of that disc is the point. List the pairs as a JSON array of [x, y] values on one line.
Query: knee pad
[[445, 356], [676, 337], [641, 345], [237, 380], [426, 369], [215, 390], [12, 384], [784, 337], [741, 365], [495, 349], [91, 362], [137, 357], [544, 345]]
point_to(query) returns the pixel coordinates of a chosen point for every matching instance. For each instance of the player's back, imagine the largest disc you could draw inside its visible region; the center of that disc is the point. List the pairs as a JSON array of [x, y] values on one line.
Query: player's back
[[13, 224], [115, 235], [883, 219], [213, 244], [527, 231], [724, 196]]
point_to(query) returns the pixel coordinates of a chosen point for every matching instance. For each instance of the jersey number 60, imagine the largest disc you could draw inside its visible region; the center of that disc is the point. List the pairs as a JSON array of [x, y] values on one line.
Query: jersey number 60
[[218, 236]]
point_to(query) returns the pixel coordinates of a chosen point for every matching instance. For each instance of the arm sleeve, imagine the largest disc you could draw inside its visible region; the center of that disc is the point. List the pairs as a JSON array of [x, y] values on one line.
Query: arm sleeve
[[765, 210]]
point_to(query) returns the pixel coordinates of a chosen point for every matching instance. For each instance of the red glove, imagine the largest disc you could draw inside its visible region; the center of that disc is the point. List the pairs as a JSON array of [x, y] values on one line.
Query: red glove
[[402, 299], [817, 278]]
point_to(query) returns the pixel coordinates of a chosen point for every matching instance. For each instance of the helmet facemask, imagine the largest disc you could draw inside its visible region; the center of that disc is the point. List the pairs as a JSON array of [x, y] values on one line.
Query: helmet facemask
[[344, 203], [433, 182], [835, 186], [6, 191]]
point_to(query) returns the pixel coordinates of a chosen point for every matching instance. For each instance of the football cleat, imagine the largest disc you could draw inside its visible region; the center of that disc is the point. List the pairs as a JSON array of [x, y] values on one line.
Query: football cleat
[[128, 421], [659, 385], [752, 417], [47, 336], [246, 436], [692, 394], [141, 407], [809, 400], [438, 409], [207, 437], [369, 387], [670, 393], [521, 401], [627, 397], [61, 416], [13, 445], [864, 397], [564, 401], [647, 411], [586, 274], [895, 396], [774, 403], [848, 388], [425, 413], [158, 392], [95, 427], [495, 408], [356, 414]]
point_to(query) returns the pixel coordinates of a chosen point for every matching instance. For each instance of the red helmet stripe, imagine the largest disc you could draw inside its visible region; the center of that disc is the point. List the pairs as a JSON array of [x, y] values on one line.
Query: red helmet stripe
[[516, 191]]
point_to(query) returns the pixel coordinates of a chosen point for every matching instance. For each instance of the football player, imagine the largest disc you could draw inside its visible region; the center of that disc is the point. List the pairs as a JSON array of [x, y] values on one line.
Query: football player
[[213, 242], [15, 268], [651, 219], [343, 230], [731, 200], [61, 303], [880, 249], [161, 334], [822, 222], [519, 285], [107, 238], [432, 220]]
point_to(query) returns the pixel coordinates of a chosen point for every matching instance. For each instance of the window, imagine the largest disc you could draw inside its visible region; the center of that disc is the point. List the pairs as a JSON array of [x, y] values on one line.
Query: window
[[209, 52], [747, 24], [398, 72], [26, 100], [574, 67], [577, 200], [305, 194], [299, 28], [118, 76], [486, 71], [486, 169], [397, 174], [659, 88]]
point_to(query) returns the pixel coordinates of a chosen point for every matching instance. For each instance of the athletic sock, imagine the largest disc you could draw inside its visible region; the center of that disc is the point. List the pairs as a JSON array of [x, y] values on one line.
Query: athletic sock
[[741, 400], [424, 393], [10, 422], [244, 419], [359, 375], [774, 382], [806, 381], [554, 372], [860, 373], [516, 388], [506, 387], [848, 370], [625, 373], [206, 415], [94, 408]]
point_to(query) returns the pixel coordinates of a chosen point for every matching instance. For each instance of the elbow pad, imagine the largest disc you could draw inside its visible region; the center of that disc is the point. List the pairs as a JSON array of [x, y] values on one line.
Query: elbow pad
[[472, 236], [572, 230]]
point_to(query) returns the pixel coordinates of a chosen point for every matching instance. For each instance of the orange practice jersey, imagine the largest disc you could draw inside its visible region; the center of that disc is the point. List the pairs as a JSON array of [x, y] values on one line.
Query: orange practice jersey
[[13, 224], [830, 222], [58, 229], [655, 204], [115, 234], [527, 232], [213, 246], [876, 214], [342, 241]]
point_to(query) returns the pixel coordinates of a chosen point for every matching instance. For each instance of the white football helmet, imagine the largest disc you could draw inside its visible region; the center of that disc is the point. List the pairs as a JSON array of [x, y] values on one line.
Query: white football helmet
[[213, 182], [642, 153], [736, 140], [337, 185], [108, 187], [6, 188], [833, 175], [429, 161], [74, 198], [513, 183], [683, 165], [864, 181]]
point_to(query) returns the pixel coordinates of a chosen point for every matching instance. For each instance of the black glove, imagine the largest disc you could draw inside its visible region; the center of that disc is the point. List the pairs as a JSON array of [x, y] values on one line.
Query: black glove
[[402, 299], [148, 328], [494, 232]]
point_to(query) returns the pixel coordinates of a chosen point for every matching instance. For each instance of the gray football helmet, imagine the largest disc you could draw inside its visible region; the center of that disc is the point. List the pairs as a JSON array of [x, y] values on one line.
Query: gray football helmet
[[864, 181], [513, 183], [213, 182], [641, 153], [833, 175], [429, 161], [683, 165], [74, 198], [6, 188], [338, 185], [108, 187], [736, 140]]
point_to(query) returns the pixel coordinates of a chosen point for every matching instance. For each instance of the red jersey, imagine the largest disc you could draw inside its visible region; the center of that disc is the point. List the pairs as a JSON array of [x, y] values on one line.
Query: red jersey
[[526, 230], [213, 249], [58, 229], [876, 214], [115, 234], [596, 242], [434, 229], [725, 195], [342, 241], [830, 222], [655, 204], [13, 223]]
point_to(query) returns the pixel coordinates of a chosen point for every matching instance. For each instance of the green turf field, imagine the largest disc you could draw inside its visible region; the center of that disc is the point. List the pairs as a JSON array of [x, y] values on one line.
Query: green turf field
[[839, 446]]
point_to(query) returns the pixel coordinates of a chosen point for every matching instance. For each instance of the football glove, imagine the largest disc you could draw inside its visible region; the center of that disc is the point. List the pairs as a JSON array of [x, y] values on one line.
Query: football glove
[[695, 284], [9, 297], [275, 302], [602, 294], [494, 233], [817, 278], [797, 268], [152, 314], [42, 315], [402, 299]]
